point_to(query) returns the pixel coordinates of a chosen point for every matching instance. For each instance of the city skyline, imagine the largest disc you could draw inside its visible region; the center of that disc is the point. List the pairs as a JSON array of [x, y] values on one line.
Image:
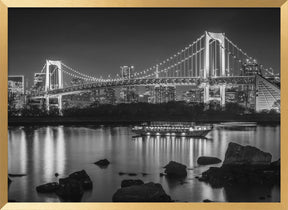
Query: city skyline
[[142, 41]]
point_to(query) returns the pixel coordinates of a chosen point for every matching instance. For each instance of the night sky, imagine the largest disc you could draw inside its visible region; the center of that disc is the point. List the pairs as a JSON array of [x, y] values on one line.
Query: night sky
[[99, 41]]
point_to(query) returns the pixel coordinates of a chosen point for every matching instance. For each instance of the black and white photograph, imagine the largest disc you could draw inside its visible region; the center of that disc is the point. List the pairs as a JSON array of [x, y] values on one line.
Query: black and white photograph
[[144, 105]]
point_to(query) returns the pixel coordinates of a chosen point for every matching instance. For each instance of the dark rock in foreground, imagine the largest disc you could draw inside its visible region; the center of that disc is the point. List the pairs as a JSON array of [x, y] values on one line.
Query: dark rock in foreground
[[47, 188], [243, 170], [83, 178], [102, 163], [205, 160], [174, 169], [150, 192], [207, 201], [237, 154], [70, 190], [132, 174], [121, 173], [131, 182]]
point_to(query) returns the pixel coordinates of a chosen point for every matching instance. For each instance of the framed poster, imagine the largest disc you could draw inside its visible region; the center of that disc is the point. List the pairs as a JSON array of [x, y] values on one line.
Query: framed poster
[[143, 104]]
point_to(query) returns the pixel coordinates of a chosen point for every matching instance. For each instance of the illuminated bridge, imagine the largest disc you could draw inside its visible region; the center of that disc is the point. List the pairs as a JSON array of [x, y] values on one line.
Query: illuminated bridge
[[210, 61]]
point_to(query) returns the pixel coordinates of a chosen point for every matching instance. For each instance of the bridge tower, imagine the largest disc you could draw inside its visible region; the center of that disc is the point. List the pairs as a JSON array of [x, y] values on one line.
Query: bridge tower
[[220, 37], [55, 82]]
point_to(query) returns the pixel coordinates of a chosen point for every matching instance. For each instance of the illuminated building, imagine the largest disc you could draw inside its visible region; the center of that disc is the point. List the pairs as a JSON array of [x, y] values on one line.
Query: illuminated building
[[149, 94], [79, 100], [144, 98], [109, 96], [193, 95], [39, 82], [16, 84], [246, 96], [251, 67], [127, 72], [128, 94], [164, 94], [231, 96], [16, 90], [77, 81]]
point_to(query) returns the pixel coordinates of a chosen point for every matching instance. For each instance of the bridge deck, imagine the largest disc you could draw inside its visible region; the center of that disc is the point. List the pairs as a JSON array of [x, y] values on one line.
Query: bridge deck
[[177, 81]]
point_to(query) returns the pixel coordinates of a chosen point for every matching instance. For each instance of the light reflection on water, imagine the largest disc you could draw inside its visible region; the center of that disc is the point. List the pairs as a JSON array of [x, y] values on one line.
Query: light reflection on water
[[40, 152]]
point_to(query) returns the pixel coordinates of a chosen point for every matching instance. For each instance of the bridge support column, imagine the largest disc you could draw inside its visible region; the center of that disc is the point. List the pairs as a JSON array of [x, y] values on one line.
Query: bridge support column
[[60, 102], [206, 93], [60, 105], [47, 103], [222, 95]]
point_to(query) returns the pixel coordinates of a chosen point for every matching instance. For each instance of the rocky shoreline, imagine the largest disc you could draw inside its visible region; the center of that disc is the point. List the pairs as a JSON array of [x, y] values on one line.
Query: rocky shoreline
[[242, 166]]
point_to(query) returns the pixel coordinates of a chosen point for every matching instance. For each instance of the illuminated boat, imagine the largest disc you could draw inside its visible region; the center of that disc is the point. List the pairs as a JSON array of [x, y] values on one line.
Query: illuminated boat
[[188, 129]]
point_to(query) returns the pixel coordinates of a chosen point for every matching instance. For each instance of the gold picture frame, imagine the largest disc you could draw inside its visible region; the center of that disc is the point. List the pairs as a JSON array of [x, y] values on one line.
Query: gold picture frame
[[5, 4]]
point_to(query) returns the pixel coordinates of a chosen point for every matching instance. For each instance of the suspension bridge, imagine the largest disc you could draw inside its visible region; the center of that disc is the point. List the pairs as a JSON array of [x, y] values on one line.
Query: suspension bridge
[[212, 60]]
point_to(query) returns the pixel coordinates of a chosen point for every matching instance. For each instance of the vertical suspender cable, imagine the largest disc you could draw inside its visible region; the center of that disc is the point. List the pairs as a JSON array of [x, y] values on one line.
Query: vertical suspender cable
[[196, 57], [233, 68], [192, 61], [181, 65], [185, 62], [200, 55], [228, 56], [215, 74], [176, 68]]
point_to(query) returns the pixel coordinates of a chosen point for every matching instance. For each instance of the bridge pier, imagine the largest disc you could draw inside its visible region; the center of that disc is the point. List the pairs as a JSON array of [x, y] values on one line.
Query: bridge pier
[[60, 103], [222, 95], [47, 103], [206, 97]]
